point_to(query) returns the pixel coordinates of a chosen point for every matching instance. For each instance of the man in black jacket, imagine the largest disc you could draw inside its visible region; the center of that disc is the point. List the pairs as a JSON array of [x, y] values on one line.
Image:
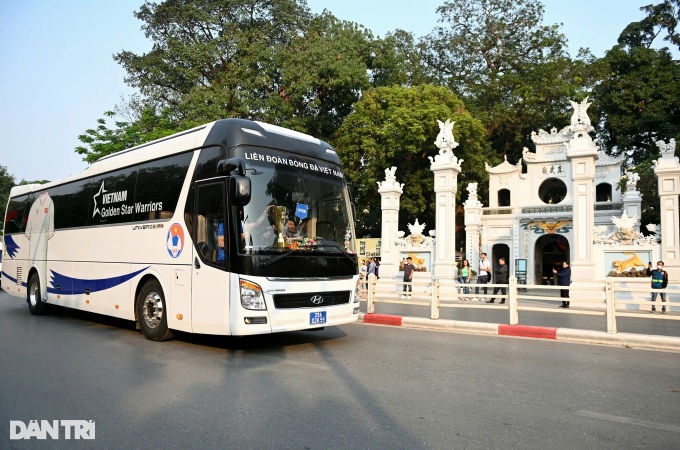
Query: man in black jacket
[[564, 279], [500, 277]]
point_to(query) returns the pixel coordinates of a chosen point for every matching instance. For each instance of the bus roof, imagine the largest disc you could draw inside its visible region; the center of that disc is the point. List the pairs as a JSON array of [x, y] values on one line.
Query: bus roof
[[226, 132]]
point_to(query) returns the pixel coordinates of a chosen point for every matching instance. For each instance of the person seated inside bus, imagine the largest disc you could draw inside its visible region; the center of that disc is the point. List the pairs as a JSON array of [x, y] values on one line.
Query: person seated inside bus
[[220, 244], [291, 230]]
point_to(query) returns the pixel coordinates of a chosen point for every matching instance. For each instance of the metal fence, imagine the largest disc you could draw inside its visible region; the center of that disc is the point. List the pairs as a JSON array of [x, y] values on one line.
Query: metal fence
[[612, 298]]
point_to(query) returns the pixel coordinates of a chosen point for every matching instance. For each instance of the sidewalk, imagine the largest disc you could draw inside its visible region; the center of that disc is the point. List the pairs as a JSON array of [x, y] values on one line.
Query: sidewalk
[[628, 340]]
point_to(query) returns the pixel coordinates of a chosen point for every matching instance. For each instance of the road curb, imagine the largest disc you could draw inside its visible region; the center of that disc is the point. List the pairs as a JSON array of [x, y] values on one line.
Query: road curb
[[628, 340]]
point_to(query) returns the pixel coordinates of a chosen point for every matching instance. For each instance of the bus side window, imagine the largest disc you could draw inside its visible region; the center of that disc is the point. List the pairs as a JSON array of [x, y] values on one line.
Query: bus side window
[[210, 226]]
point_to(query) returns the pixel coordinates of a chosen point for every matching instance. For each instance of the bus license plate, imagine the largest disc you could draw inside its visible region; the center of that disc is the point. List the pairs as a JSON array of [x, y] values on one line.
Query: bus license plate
[[317, 318]]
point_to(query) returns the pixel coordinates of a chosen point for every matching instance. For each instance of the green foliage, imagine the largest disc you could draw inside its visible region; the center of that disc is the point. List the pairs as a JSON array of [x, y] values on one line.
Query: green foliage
[[25, 182], [514, 74], [482, 39], [213, 59], [649, 189], [397, 126], [7, 182], [638, 100], [322, 75], [399, 59], [663, 17], [104, 141], [255, 59]]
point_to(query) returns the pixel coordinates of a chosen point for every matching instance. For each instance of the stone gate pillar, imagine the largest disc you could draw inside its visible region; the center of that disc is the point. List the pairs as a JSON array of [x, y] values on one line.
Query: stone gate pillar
[[582, 154], [446, 168], [473, 226], [632, 199], [390, 193], [667, 171]]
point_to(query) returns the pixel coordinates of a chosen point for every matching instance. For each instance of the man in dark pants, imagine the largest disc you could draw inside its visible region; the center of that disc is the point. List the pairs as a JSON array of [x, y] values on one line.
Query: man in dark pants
[[564, 279], [408, 275], [659, 281], [484, 272], [500, 277]]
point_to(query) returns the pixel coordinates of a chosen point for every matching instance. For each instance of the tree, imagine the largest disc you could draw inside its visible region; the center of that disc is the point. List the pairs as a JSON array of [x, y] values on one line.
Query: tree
[[269, 60], [399, 59], [322, 74], [513, 73], [660, 18], [7, 182], [104, 141], [213, 59], [397, 126], [486, 38], [638, 102]]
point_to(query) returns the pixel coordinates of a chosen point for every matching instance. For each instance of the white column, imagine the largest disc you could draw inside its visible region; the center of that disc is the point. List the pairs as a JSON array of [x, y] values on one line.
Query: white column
[[390, 194], [446, 168], [582, 152], [473, 221], [667, 171]]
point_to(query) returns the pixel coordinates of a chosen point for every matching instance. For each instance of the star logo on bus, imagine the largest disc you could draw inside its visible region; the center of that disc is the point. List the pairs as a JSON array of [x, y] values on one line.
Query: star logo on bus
[[94, 197]]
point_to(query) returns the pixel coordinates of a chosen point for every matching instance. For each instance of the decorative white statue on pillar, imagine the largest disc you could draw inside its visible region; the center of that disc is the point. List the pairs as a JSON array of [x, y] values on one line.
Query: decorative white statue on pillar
[[632, 179], [445, 141], [390, 180], [580, 116], [472, 192], [666, 148], [668, 157]]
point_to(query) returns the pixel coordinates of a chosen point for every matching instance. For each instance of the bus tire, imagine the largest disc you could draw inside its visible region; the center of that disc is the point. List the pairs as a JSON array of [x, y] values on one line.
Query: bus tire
[[33, 297], [152, 312]]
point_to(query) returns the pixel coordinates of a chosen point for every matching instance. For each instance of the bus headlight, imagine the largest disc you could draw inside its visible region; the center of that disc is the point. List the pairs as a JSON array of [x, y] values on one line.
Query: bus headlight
[[251, 296]]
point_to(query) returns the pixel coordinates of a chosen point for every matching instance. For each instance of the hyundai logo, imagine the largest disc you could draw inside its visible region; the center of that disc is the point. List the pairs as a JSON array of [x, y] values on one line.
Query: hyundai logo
[[317, 299]]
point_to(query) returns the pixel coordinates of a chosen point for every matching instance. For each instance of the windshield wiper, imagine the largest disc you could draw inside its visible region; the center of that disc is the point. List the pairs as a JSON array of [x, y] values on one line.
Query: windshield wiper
[[281, 256]]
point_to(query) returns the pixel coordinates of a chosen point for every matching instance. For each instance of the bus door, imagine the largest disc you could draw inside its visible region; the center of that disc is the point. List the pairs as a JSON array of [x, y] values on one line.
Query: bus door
[[210, 280]]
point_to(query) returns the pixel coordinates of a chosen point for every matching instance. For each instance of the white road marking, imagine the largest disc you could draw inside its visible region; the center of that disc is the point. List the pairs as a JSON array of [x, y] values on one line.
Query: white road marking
[[628, 420]]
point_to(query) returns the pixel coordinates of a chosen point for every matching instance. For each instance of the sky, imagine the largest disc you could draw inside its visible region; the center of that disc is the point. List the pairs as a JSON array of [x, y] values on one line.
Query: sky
[[58, 74]]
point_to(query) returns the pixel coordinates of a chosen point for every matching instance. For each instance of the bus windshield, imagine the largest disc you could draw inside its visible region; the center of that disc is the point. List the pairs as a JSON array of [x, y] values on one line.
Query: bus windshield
[[297, 203]]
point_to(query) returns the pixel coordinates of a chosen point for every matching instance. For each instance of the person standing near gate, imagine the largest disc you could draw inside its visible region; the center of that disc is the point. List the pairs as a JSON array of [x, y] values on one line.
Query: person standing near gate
[[484, 271], [564, 279], [500, 277], [659, 281], [408, 276]]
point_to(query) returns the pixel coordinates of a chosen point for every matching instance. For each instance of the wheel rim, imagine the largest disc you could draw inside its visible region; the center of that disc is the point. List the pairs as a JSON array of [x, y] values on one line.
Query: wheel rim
[[152, 310], [33, 294]]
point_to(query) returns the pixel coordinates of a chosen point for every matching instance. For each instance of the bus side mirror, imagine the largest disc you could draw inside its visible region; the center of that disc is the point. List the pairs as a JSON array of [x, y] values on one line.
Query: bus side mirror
[[239, 190]]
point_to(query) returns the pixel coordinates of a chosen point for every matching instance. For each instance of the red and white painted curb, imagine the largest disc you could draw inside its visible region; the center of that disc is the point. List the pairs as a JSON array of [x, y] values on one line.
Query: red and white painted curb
[[561, 334]]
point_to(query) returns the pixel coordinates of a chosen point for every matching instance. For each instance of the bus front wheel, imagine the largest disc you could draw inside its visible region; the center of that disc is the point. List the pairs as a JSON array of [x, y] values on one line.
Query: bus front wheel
[[152, 312], [34, 298]]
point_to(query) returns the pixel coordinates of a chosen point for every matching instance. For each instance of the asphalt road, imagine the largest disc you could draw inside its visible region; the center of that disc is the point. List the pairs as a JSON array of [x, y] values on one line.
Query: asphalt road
[[356, 386]]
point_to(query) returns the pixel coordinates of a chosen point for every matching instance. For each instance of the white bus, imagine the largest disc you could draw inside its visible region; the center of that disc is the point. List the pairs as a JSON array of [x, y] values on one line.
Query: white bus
[[231, 228]]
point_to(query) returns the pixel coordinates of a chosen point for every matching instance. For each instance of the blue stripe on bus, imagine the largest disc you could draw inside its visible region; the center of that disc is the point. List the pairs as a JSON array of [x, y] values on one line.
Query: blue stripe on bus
[[13, 280], [74, 286]]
